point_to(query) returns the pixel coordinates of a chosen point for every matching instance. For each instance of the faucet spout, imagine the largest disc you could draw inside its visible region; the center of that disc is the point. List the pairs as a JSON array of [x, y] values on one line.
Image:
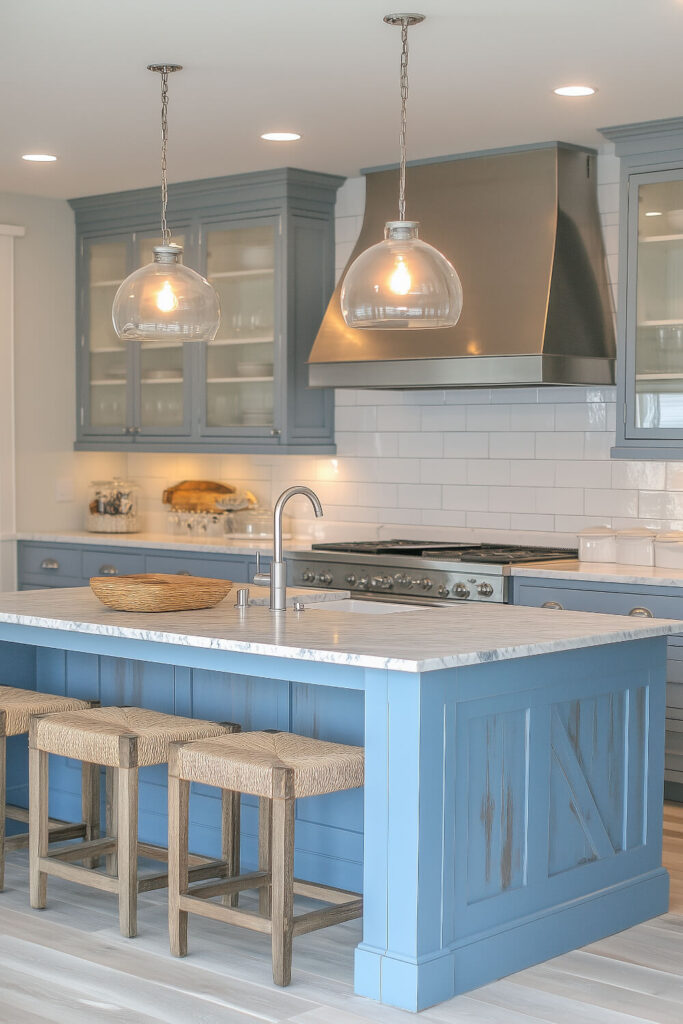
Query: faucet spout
[[278, 570]]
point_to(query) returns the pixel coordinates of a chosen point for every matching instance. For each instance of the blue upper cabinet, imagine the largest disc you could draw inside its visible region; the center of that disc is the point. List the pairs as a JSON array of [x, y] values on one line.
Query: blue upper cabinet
[[266, 243], [650, 314]]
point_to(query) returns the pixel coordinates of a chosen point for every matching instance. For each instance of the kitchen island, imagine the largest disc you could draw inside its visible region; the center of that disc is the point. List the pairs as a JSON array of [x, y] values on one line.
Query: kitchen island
[[512, 808]]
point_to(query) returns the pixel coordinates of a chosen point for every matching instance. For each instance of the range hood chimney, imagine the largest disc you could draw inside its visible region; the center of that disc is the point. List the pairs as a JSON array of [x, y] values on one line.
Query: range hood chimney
[[522, 229]]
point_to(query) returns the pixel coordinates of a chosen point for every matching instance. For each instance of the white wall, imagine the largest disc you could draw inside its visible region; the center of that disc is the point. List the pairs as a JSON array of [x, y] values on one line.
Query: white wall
[[47, 467], [528, 459]]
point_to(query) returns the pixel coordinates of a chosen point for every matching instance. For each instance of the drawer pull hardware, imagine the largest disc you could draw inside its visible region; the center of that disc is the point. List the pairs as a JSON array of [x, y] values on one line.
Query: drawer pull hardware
[[50, 563], [553, 604], [643, 613], [108, 570], [183, 572]]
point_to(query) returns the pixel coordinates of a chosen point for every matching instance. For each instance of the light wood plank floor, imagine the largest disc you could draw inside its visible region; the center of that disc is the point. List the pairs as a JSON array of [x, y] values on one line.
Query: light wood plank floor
[[69, 964]]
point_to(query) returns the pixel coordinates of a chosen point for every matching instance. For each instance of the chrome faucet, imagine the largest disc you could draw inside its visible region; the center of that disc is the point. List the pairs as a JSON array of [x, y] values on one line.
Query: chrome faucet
[[277, 576]]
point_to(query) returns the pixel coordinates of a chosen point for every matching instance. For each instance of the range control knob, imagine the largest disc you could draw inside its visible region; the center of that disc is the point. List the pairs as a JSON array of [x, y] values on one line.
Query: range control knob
[[426, 583], [324, 577], [308, 576], [381, 582], [485, 589], [443, 591], [402, 580], [350, 579], [363, 583], [461, 591]]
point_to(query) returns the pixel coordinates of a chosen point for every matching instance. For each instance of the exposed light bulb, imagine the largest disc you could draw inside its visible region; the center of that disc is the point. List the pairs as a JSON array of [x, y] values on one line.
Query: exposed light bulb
[[399, 281], [167, 300]]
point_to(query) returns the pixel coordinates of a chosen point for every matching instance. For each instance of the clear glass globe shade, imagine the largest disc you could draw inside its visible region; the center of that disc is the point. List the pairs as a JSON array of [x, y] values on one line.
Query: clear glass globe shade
[[165, 301], [401, 283]]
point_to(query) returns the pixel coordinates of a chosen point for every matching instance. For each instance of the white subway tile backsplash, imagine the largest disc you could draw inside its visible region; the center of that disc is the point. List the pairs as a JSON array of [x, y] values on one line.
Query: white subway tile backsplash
[[419, 496], [443, 417], [588, 416], [398, 417], [560, 500], [532, 472], [488, 471], [531, 522], [488, 417], [532, 417], [465, 498], [443, 471], [489, 520], [405, 470], [466, 446], [582, 474], [649, 476], [428, 445], [611, 503], [511, 499], [559, 445], [512, 445]]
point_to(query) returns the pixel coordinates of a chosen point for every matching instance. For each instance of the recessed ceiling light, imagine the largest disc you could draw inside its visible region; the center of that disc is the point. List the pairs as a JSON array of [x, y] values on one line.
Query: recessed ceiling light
[[280, 136], [39, 158], [653, 213], [574, 90]]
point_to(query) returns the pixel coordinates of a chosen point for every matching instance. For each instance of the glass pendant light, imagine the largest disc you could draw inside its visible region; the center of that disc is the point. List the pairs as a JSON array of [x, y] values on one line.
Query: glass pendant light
[[401, 282], [165, 301]]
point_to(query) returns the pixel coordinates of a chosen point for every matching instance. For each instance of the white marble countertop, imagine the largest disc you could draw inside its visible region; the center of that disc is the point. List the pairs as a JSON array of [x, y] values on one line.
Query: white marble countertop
[[419, 640], [166, 541], [602, 572]]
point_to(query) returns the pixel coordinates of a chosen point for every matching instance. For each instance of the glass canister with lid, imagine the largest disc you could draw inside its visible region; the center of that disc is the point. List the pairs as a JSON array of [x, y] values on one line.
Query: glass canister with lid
[[113, 506]]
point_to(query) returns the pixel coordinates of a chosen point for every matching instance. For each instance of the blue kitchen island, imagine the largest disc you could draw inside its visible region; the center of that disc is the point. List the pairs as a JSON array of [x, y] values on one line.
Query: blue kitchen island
[[512, 807]]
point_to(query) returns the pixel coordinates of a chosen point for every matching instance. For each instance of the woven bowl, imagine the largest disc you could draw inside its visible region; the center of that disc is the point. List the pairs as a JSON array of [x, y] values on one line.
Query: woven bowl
[[159, 592]]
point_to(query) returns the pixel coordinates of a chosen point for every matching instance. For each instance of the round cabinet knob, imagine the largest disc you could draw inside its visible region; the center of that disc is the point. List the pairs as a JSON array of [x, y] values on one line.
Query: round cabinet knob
[[350, 579], [461, 591], [485, 589], [555, 605], [641, 613], [308, 576], [108, 570], [324, 577], [443, 591]]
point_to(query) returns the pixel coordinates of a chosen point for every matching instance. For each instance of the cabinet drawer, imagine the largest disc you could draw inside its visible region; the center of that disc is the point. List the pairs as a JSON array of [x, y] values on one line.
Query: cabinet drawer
[[51, 563], [101, 563], [228, 568], [605, 601]]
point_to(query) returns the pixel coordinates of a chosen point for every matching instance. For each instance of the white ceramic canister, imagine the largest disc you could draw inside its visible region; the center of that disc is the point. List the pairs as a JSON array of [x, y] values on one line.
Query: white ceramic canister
[[669, 549], [636, 546], [598, 544]]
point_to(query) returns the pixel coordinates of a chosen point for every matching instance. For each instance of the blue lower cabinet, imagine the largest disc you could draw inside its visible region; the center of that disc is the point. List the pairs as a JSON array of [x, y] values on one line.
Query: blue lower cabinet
[[72, 565], [625, 599]]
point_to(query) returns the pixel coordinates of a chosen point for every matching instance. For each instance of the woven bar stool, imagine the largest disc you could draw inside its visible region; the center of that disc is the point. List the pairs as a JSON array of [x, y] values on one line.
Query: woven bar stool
[[277, 767], [16, 708], [123, 740]]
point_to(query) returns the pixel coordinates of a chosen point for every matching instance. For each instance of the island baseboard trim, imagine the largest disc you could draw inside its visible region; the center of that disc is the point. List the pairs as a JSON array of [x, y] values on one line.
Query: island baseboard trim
[[478, 960]]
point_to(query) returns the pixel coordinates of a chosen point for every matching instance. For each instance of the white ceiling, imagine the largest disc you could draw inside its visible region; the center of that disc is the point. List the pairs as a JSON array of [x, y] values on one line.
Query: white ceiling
[[73, 78]]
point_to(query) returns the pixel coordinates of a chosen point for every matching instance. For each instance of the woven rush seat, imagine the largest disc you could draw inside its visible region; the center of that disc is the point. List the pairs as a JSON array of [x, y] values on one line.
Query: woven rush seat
[[94, 735], [244, 762], [18, 706], [278, 768], [123, 740]]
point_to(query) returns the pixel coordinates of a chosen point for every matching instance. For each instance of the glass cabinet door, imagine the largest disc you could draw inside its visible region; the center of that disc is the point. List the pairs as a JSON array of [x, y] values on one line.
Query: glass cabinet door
[[656, 305], [108, 365], [162, 400], [239, 365]]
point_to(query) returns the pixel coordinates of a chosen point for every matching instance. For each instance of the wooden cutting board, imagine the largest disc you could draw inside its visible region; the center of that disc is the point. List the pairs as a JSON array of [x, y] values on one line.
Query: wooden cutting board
[[196, 495]]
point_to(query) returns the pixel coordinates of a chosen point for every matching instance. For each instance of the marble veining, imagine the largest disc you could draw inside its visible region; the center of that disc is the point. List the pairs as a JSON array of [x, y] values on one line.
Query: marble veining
[[417, 641], [602, 572]]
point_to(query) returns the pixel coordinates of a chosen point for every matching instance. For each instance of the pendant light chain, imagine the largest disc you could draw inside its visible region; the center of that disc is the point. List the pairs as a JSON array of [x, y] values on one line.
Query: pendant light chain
[[404, 119], [165, 233]]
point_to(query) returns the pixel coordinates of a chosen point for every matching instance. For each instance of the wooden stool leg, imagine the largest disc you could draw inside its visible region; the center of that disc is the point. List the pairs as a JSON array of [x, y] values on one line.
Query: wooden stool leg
[[265, 811], [3, 796], [127, 840], [230, 833], [111, 817], [90, 807], [283, 874], [37, 822], [178, 839]]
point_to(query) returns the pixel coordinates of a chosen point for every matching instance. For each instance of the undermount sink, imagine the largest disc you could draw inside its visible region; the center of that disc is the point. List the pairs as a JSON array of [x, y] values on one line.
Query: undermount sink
[[349, 604]]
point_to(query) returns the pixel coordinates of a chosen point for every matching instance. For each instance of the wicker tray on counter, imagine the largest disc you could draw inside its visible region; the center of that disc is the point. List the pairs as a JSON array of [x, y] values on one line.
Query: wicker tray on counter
[[159, 592]]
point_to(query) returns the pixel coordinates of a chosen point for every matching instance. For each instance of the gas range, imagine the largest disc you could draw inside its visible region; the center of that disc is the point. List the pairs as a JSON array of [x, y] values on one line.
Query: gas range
[[421, 572]]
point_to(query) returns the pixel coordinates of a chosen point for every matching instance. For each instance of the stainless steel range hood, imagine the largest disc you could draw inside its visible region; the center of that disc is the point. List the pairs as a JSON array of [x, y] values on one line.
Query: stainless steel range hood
[[522, 229]]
